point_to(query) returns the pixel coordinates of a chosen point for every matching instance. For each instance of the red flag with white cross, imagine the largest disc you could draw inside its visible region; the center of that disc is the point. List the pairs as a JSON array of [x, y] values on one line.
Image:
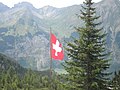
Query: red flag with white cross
[[56, 48]]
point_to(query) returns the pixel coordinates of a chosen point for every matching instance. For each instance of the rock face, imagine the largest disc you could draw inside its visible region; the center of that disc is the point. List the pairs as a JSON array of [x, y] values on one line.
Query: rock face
[[3, 7], [110, 15], [24, 30]]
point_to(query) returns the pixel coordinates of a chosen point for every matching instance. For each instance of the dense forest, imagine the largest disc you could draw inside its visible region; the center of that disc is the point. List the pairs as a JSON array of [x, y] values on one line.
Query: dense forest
[[15, 77], [86, 68]]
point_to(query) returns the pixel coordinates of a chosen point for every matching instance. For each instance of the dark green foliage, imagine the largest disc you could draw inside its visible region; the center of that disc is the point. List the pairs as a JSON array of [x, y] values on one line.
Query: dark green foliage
[[87, 65], [7, 63], [116, 81], [10, 80], [15, 77]]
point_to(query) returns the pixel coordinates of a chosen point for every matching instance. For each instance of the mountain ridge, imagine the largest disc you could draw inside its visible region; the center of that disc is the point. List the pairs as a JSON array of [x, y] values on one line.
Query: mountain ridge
[[3, 7], [25, 30]]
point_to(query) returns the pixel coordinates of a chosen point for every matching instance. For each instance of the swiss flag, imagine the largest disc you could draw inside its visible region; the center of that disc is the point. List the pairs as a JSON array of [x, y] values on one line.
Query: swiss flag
[[56, 48]]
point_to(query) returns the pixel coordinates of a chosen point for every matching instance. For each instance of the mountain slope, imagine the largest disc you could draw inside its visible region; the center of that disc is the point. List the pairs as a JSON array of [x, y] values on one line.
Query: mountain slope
[[3, 7], [110, 16], [6, 63], [24, 31]]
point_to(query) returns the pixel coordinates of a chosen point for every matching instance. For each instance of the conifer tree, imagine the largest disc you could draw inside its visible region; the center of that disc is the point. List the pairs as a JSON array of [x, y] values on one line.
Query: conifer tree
[[116, 81], [88, 55]]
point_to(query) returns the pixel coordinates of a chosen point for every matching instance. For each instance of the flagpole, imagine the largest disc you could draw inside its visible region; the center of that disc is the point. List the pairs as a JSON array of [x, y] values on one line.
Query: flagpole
[[50, 59]]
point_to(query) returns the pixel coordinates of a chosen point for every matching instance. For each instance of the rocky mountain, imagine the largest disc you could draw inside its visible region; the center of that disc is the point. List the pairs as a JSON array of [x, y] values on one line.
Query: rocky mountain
[[3, 7], [24, 30]]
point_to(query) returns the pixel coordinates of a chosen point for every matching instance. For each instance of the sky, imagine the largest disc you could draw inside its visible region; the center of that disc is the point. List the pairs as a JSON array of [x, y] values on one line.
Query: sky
[[42, 3]]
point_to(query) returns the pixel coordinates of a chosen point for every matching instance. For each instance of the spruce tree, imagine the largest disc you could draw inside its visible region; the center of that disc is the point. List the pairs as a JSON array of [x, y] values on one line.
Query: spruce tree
[[88, 55], [116, 81]]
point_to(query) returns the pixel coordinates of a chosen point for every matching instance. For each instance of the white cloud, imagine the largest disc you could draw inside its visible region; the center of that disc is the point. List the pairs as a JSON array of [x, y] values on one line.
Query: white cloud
[[41, 3]]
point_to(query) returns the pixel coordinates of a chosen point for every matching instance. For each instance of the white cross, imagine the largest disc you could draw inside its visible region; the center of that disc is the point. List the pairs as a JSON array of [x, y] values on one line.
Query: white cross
[[57, 48]]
